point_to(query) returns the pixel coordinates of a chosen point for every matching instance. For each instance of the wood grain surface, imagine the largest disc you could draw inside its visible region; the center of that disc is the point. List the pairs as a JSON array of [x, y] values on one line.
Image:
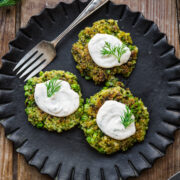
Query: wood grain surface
[[165, 13]]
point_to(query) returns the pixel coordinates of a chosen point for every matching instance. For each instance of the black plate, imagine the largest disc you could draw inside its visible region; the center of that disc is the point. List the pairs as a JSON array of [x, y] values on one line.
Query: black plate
[[175, 176], [67, 155]]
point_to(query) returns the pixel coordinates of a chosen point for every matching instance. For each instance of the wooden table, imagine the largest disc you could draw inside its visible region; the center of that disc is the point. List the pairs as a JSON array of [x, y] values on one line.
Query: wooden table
[[165, 13]]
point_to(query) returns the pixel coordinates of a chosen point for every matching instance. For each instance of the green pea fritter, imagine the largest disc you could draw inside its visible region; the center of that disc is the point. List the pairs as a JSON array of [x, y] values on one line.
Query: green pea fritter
[[95, 137], [41, 119], [86, 65]]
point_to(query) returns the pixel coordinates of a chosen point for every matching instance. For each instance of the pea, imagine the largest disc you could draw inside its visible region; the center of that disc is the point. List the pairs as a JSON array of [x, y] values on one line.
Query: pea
[[30, 81], [39, 125], [89, 131], [108, 71], [87, 77], [131, 48], [94, 135], [86, 107], [27, 111], [81, 101], [87, 100], [92, 140], [41, 73], [101, 150], [88, 139], [68, 73], [109, 83], [75, 87], [80, 110], [26, 87], [84, 117], [105, 88], [93, 100], [27, 94], [30, 103]]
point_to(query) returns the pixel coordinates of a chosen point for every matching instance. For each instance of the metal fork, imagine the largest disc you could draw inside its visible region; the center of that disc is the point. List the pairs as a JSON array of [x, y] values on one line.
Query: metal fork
[[44, 52]]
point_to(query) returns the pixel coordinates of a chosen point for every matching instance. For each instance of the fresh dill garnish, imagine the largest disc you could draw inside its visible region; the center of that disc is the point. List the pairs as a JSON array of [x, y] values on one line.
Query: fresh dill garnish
[[52, 86], [116, 51], [127, 118]]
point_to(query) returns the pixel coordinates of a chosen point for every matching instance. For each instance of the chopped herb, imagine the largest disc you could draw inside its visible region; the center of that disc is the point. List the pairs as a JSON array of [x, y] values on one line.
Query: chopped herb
[[127, 119], [8, 2], [116, 51], [52, 87]]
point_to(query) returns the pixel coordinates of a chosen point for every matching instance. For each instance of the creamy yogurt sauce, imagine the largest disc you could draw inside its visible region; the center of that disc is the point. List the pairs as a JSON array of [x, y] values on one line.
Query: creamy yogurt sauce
[[61, 104], [97, 43], [109, 120]]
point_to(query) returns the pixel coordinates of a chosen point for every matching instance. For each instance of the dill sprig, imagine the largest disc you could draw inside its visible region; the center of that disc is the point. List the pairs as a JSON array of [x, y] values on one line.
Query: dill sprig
[[52, 86], [116, 51], [127, 119]]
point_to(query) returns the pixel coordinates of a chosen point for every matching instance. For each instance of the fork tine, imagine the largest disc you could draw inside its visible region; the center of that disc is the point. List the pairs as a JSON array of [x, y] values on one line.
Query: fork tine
[[42, 66], [26, 57], [33, 66], [36, 56]]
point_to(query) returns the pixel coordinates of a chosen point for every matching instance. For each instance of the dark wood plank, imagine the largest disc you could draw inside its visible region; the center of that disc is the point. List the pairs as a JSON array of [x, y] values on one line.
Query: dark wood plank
[[7, 33], [178, 16], [27, 172]]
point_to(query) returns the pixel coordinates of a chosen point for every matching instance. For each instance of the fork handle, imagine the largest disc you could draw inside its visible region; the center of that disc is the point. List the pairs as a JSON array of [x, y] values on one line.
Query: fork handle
[[91, 7]]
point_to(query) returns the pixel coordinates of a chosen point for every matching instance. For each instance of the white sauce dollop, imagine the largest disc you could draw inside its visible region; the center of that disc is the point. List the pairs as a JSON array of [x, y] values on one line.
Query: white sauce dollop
[[61, 104], [97, 43], [109, 120]]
